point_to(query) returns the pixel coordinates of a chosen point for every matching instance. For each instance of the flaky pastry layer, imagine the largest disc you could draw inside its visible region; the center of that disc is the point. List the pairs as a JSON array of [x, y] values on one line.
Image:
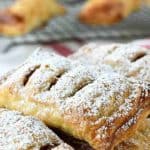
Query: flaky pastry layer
[[140, 140]]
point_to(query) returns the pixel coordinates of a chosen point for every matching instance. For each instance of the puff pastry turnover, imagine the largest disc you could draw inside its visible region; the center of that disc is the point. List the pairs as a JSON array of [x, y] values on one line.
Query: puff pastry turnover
[[25, 15], [107, 12], [88, 102], [19, 132], [128, 59]]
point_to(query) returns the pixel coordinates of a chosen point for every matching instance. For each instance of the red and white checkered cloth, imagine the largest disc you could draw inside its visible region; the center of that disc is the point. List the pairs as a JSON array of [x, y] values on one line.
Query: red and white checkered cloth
[[18, 54]]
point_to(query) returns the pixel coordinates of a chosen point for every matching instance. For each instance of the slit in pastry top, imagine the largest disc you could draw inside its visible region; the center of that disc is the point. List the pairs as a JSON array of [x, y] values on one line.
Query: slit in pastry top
[[128, 59]]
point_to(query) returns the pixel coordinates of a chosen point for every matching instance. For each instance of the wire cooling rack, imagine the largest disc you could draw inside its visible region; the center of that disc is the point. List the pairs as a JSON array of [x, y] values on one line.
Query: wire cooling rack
[[68, 27]]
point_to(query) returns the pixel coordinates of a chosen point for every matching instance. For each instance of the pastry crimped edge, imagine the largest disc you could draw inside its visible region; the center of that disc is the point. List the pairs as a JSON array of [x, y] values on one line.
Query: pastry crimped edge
[[25, 15], [10, 98]]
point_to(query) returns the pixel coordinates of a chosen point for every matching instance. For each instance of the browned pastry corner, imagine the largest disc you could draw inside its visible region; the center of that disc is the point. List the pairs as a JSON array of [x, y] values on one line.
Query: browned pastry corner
[[25, 15], [89, 102], [140, 140], [106, 12], [128, 59], [27, 133]]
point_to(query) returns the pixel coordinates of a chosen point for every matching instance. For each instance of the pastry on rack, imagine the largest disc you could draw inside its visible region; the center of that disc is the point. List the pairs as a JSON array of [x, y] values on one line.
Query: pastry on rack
[[27, 133], [26, 15], [128, 59], [106, 12], [91, 103]]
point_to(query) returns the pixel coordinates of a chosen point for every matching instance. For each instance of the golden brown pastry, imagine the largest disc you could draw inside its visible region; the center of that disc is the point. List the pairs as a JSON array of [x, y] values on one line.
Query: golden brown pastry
[[107, 12], [140, 140], [25, 15], [19, 132], [128, 59], [88, 102], [120, 57]]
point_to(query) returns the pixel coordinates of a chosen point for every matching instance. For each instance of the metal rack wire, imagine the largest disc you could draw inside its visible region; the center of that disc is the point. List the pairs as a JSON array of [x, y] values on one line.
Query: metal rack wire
[[68, 27]]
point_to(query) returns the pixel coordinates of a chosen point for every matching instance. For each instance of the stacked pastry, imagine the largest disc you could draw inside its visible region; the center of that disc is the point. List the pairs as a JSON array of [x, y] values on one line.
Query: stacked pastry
[[96, 103]]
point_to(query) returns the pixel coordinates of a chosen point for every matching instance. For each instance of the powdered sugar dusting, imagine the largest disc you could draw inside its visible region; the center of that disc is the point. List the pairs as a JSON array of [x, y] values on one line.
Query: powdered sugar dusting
[[73, 80], [24, 132], [131, 60], [140, 139], [55, 62], [128, 59]]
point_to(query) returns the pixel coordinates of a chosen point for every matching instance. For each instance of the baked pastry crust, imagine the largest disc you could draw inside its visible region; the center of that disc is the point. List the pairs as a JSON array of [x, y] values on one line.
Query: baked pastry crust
[[27, 133], [100, 107], [128, 59], [107, 12], [140, 140], [25, 15]]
